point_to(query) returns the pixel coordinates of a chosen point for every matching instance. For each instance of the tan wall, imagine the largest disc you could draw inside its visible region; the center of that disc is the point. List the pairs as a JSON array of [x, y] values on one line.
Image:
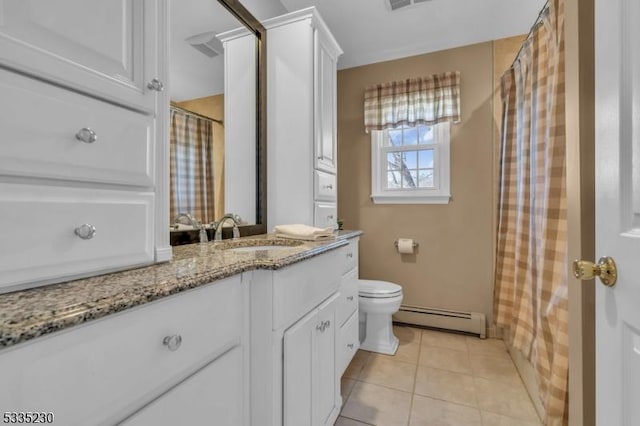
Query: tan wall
[[213, 107], [454, 265]]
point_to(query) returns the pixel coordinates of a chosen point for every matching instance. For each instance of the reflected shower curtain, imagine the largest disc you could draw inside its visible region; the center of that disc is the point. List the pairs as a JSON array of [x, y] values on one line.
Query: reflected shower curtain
[[531, 302], [191, 164]]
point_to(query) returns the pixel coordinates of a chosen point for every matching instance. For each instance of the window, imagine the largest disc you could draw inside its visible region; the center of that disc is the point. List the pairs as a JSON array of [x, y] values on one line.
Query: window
[[410, 165]]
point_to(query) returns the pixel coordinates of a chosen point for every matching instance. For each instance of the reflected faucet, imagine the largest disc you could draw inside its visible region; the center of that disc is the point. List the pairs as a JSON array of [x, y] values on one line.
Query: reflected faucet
[[236, 221], [193, 222]]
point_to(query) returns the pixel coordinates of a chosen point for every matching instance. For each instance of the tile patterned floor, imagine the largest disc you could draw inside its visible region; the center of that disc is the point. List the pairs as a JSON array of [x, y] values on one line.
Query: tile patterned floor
[[436, 379]]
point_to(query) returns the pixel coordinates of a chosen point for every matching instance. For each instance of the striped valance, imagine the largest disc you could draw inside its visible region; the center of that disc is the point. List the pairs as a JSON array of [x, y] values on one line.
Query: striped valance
[[426, 100]]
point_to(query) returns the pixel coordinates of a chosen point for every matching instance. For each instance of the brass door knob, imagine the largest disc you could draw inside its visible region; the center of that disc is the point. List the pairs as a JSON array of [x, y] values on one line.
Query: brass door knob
[[605, 269]]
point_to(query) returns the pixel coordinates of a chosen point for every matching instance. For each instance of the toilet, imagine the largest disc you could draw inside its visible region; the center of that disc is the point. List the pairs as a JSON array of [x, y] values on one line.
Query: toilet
[[377, 301]]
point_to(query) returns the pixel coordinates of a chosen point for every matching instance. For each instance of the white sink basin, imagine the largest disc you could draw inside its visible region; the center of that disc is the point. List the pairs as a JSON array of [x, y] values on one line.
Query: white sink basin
[[258, 248]]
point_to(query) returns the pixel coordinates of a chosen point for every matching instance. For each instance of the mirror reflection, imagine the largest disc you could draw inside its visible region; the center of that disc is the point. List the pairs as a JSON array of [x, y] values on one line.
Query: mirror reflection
[[197, 115]]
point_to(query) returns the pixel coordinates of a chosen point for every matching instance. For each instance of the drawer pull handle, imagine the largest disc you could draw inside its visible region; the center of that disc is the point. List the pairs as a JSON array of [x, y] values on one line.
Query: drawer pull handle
[[86, 135], [172, 342], [349, 298], [156, 85], [86, 231], [349, 254], [350, 345], [328, 186], [323, 326], [330, 217]]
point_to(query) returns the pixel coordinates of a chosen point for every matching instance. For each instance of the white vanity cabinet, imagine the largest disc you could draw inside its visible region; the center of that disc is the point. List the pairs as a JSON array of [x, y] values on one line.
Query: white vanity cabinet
[[180, 360], [301, 74], [347, 338], [83, 124], [310, 385], [104, 48], [293, 338]]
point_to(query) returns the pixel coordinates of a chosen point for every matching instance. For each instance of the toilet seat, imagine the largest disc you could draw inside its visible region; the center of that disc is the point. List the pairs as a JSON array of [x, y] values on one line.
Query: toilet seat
[[374, 289]]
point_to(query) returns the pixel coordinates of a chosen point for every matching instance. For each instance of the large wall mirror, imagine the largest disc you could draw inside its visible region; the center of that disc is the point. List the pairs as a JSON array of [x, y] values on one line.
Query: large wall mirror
[[205, 181]]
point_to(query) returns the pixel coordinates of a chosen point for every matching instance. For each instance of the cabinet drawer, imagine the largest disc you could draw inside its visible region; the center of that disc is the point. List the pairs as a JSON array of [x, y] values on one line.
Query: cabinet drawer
[[39, 241], [325, 215], [214, 391], [326, 188], [350, 255], [299, 288], [100, 372], [348, 301], [39, 125], [348, 344]]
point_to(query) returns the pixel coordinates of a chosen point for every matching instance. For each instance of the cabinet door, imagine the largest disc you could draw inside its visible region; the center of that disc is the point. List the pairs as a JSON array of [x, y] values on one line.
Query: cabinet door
[[325, 107], [212, 396], [105, 48], [298, 371], [325, 387]]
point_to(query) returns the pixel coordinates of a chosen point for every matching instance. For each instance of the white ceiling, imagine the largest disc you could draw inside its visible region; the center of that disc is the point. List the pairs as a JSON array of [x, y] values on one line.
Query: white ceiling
[[367, 30]]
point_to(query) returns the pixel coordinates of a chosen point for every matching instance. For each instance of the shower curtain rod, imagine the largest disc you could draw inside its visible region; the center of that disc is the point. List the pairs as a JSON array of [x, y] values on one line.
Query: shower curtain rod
[[535, 25], [195, 114]]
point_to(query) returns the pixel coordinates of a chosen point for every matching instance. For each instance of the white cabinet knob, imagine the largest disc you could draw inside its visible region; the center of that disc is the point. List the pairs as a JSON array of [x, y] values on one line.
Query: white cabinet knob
[[172, 342], [85, 232], [156, 85], [86, 135]]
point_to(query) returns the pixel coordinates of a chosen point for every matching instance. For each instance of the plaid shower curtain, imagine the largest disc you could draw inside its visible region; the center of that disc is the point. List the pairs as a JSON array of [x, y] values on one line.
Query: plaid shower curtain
[[191, 167], [531, 301]]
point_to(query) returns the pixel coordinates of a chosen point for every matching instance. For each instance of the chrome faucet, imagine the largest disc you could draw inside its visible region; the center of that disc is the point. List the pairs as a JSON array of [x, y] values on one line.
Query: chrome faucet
[[218, 225], [193, 222]]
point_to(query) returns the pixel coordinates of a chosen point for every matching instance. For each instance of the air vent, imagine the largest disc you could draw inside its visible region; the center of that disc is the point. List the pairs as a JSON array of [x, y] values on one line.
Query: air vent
[[398, 4], [206, 43]]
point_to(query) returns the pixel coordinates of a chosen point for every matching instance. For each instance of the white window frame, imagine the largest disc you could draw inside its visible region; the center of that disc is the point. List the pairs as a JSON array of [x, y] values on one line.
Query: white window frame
[[439, 194]]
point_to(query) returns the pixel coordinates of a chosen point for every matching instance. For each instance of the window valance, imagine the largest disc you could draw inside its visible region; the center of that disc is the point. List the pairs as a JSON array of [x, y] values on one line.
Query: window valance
[[427, 100]]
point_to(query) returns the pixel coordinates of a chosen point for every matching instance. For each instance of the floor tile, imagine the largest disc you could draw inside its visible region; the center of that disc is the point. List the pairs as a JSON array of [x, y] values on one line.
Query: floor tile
[[488, 347], [446, 385], [343, 421], [446, 359], [407, 334], [378, 405], [346, 386], [491, 419], [390, 373], [504, 398], [494, 368], [442, 339], [358, 361], [432, 412]]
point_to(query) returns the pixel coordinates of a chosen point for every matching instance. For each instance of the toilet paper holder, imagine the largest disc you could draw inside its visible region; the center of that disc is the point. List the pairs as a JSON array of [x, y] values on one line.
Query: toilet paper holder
[[415, 245]]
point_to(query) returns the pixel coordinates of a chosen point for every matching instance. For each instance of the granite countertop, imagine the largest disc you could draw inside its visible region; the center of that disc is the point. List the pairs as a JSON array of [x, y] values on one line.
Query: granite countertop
[[27, 314]]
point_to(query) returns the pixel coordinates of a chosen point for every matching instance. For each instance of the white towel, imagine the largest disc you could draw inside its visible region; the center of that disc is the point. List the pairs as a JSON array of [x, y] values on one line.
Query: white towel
[[303, 232]]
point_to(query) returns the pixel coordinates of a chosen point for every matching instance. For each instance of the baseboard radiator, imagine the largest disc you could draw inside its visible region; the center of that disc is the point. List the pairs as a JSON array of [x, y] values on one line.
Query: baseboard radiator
[[470, 322]]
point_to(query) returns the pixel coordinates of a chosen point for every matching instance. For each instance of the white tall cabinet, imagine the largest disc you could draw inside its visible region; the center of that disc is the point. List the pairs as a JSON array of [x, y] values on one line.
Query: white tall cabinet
[[83, 159], [301, 108]]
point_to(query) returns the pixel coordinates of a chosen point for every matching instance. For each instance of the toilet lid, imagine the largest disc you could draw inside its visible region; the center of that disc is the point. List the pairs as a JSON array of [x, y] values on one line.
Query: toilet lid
[[374, 288]]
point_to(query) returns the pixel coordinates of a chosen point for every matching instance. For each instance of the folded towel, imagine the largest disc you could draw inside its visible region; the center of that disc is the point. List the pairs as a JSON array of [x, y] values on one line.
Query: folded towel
[[303, 232]]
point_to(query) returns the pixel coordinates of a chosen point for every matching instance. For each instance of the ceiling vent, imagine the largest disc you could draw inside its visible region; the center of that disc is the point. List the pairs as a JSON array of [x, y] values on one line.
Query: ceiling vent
[[206, 43], [398, 4]]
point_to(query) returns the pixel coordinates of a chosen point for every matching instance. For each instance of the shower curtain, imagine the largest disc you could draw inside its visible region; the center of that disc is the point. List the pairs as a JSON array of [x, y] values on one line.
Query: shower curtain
[[191, 166], [531, 302]]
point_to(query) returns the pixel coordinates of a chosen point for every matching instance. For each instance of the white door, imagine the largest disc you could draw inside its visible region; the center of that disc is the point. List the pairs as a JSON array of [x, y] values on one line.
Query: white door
[[106, 48], [325, 107], [324, 363], [618, 210]]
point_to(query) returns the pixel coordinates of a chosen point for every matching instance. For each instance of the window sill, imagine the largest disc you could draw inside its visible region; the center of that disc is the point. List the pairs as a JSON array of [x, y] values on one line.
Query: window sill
[[410, 199]]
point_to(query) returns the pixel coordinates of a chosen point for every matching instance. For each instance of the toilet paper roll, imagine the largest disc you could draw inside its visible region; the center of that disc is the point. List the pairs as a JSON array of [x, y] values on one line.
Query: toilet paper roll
[[405, 245]]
